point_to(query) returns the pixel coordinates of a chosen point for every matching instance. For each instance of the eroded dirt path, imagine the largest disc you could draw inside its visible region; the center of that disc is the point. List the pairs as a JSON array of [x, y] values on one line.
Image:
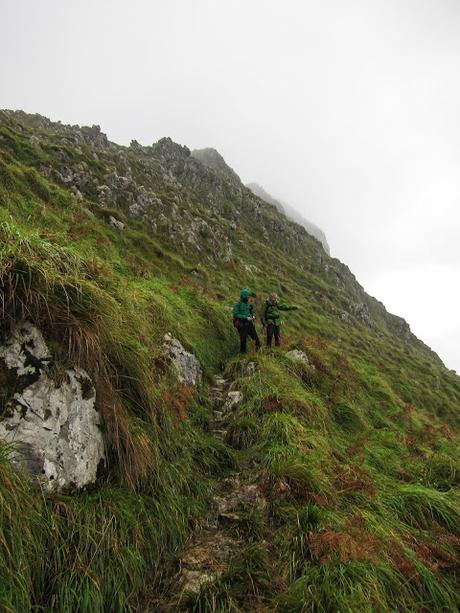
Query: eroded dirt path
[[207, 555]]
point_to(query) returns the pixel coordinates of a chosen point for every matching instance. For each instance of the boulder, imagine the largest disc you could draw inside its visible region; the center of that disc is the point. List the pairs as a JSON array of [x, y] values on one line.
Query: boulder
[[187, 365], [54, 426], [232, 401], [116, 223], [296, 354]]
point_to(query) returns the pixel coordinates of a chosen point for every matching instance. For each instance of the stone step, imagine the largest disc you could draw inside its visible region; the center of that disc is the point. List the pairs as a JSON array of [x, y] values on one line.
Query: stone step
[[228, 518], [220, 433]]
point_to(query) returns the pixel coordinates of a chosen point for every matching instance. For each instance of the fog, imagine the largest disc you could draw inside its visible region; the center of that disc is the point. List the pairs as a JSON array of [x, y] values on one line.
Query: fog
[[346, 109]]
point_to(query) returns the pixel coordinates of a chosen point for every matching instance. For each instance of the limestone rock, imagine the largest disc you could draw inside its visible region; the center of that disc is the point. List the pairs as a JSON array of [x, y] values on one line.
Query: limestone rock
[[55, 427], [232, 401], [296, 354], [25, 350], [116, 223], [212, 159], [76, 193], [361, 311], [290, 212], [35, 141], [187, 365]]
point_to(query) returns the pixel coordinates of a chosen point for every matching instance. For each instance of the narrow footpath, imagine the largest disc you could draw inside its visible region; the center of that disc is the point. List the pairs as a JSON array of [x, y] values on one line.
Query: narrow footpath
[[207, 555]]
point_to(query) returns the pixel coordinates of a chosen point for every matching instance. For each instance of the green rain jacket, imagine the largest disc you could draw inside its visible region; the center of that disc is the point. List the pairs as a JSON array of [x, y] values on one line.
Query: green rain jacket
[[242, 309], [271, 312]]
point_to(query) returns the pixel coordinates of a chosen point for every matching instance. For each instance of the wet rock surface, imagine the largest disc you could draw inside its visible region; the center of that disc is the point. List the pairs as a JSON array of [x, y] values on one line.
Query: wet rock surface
[[54, 426]]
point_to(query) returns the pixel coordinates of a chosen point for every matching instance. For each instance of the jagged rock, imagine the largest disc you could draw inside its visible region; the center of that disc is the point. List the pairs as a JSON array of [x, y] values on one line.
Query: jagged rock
[[187, 365], [25, 350], [76, 193], [55, 427], [233, 400], [35, 141], [361, 311], [212, 159], [290, 212], [116, 223], [93, 136], [345, 316], [104, 194]]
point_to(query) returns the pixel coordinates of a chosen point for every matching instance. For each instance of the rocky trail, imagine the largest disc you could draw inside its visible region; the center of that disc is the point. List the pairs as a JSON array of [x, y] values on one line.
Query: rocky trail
[[207, 555]]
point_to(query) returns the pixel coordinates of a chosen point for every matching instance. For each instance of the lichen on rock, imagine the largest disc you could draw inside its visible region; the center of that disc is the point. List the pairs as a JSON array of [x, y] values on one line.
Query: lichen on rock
[[54, 427], [187, 365]]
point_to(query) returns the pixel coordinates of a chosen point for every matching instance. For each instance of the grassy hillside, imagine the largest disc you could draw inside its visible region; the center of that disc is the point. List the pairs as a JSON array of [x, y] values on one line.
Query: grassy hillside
[[356, 451]]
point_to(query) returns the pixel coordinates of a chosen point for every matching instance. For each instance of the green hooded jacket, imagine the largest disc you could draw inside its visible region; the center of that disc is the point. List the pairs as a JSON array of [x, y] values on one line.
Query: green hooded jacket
[[271, 312], [242, 309]]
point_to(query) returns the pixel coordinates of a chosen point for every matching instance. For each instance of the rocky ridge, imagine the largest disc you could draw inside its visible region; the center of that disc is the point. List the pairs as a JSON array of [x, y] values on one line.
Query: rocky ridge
[[291, 213], [202, 211]]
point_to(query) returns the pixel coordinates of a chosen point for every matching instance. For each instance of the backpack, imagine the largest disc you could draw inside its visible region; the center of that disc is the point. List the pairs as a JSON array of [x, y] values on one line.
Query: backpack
[[237, 321]]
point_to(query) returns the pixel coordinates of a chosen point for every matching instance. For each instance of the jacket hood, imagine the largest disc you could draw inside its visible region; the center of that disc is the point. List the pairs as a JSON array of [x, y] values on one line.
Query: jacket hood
[[245, 293]]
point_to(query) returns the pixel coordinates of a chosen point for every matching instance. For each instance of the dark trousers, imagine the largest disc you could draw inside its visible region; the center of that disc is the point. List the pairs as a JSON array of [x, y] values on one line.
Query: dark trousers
[[246, 329], [273, 331]]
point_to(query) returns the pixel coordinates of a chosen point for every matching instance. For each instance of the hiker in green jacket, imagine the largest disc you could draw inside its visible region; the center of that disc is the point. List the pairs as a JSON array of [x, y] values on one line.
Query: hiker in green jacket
[[271, 318], [243, 319]]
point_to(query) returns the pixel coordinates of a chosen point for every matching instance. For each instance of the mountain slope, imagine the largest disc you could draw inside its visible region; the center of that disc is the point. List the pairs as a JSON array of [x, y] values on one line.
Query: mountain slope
[[355, 447], [212, 159], [310, 227]]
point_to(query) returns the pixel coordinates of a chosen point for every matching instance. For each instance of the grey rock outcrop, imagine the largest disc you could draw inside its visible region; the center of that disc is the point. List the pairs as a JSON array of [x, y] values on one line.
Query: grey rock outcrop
[[296, 354], [188, 367], [116, 223], [290, 212], [232, 401], [361, 312], [197, 203], [54, 427], [212, 159]]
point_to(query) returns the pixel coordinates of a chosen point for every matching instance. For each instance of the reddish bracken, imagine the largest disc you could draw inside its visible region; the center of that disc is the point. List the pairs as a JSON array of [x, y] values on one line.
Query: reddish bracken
[[177, 401], [351, 477], [353, 543]]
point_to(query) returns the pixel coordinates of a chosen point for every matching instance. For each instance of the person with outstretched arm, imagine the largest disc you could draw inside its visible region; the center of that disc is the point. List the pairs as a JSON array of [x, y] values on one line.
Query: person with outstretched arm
[[271, 318], [243, 320]]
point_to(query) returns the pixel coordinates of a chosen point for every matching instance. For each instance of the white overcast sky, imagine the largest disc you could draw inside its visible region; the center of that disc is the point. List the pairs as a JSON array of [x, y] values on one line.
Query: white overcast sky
[[347, 109]]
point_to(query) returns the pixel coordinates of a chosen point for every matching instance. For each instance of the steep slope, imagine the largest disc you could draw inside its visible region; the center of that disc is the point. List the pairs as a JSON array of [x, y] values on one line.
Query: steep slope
[[212, 159], [354, 446], [310, 227]]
